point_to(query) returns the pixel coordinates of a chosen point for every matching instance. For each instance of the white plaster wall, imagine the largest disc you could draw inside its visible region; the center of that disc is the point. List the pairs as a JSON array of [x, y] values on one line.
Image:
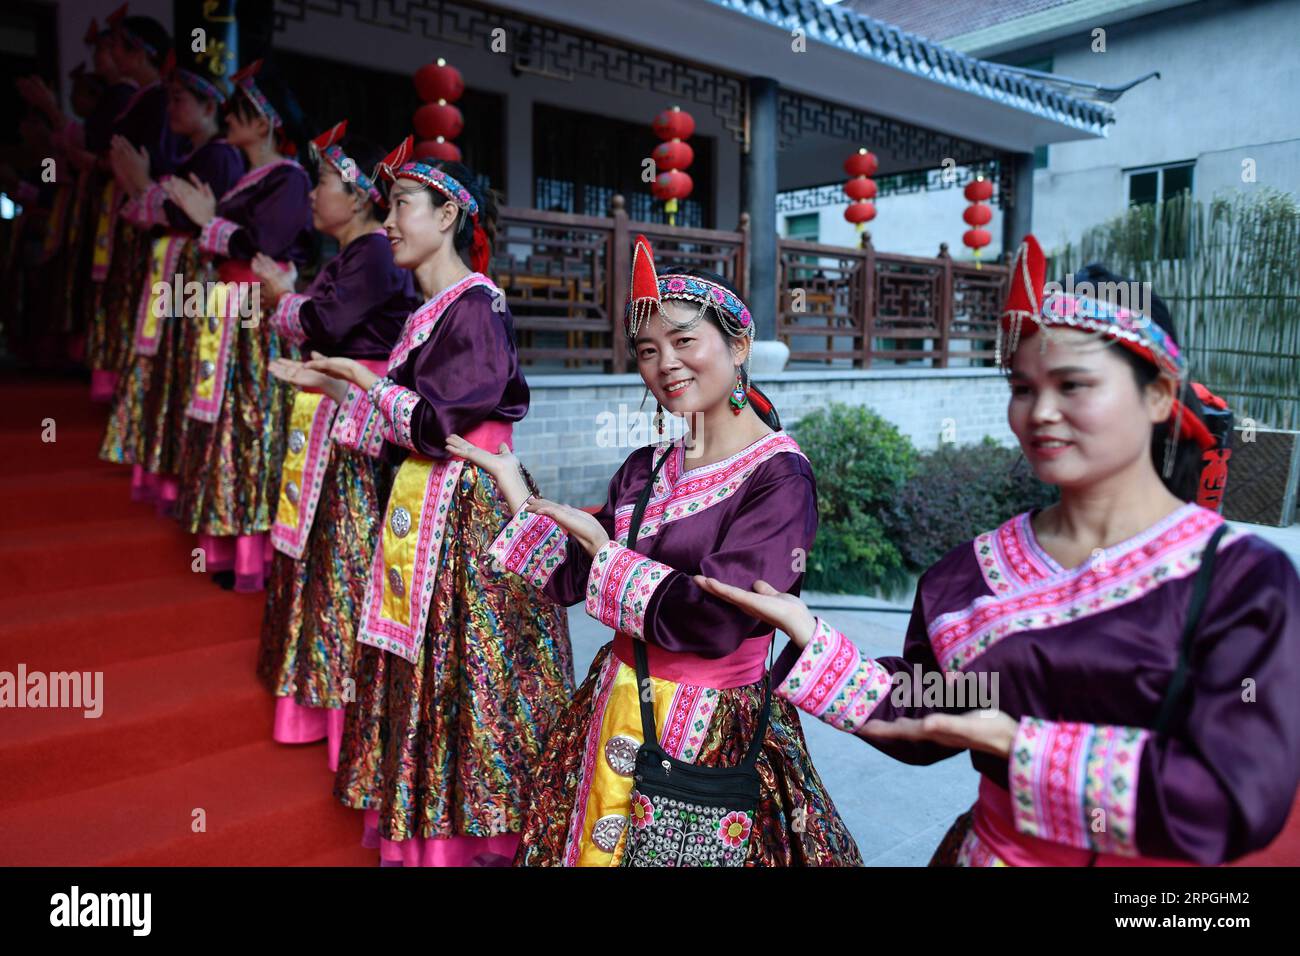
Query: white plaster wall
[[1230, 77]]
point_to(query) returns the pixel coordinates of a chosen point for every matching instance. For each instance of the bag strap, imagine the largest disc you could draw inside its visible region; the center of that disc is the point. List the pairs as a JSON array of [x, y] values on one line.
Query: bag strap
[[642, 657], [1200, 590], [639, 651]]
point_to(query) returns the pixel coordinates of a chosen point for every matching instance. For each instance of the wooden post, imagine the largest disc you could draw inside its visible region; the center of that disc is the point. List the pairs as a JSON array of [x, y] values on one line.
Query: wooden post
[[946, 306], [742, 265], [619, 260], [868, 297]]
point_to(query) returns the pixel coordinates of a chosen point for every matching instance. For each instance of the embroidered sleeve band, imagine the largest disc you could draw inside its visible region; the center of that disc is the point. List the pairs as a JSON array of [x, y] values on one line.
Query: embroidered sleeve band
[[397, 406], [620, 585], [285, 317], [531, 546], [151, 205], [1076, 784], [357, 424], [833, 681], [215, 236]]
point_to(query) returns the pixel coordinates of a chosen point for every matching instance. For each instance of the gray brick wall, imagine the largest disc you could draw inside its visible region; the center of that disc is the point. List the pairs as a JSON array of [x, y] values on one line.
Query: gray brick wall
[[580, 428]]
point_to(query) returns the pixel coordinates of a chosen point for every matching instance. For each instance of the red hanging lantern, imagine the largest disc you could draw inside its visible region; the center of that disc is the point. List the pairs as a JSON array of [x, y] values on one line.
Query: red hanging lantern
[[861, 163], [439, 81], [671, 186], [671, 157], [978, 191], [860, 213], [437, 149], [438, 119], [674, 123], [437, 122], [673, 154], [861, 189]]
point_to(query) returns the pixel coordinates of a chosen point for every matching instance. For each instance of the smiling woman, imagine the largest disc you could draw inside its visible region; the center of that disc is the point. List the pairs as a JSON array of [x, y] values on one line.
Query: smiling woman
[[682, 683], [461, 669], [1145, 648]]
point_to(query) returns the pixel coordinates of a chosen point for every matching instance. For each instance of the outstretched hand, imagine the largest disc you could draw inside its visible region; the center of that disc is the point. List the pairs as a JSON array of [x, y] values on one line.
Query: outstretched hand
[[784, 611], [297, 373], [275, 282], [194, 197], [991, 731], [580, 525]]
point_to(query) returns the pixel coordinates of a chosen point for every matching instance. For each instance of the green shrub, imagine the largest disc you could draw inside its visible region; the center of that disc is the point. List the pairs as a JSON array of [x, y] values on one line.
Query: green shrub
[[958, 492], [861, 462]]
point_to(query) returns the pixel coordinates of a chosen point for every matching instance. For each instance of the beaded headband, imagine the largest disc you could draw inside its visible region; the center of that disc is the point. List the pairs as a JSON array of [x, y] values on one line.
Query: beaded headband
[[243, 80], [196, 83], [117, 21], [649, 291], [396, 166], [1027, 309], [325, 148]]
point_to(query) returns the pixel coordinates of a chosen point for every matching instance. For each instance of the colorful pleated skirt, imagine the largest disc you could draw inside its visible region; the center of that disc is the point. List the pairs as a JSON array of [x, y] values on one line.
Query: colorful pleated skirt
[[580, 807], [230, 463], [147, 420], [442, 750], [313, 602], [108, 347]]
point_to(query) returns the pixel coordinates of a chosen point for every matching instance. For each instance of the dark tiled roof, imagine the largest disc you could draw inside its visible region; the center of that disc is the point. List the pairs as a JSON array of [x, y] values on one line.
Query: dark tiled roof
[[879, 41], [949, 18]]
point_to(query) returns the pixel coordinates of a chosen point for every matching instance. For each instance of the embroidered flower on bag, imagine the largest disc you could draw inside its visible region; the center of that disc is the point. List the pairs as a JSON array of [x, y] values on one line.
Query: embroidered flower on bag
[[734, 829], [643, 811]]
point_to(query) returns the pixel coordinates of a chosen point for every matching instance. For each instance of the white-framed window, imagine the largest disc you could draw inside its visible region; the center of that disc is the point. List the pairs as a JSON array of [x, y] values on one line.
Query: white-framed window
[[1148, 185], [1154, 186], [804, 226]]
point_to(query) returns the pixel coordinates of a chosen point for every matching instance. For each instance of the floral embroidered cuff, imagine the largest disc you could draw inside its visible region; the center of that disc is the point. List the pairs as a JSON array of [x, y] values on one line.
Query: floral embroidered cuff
[[150, 203], [833, 681], [215, 236], [620, 585], [531, 546], [1076, 784], [397, 406], [357, 424], [285, 317]]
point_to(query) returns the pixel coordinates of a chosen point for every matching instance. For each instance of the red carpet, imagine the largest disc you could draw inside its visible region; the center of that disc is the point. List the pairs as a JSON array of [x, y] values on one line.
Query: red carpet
[[90, 581]]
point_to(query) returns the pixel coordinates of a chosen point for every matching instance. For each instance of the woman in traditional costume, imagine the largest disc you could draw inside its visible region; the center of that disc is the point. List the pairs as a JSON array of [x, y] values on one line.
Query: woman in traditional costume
[[230, 465], [147, 424], [461, 668], [1128, 728], [331, 499], [104, 197], [743, 506], [139, 47]]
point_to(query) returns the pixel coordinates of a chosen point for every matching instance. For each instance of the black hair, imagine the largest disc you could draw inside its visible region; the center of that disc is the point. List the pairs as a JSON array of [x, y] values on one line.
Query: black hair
[[1184, 479], [151, 32], [769, 415], [484, 195], [292, 137], [366, 155]]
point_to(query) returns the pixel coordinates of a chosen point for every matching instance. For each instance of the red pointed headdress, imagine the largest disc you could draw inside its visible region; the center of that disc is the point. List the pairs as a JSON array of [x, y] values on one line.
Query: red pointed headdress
[[1032, 304], [643, 294], [332, 135], [92, 32], [325, 148], [117, 16], [390, 164], [247, 72]]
